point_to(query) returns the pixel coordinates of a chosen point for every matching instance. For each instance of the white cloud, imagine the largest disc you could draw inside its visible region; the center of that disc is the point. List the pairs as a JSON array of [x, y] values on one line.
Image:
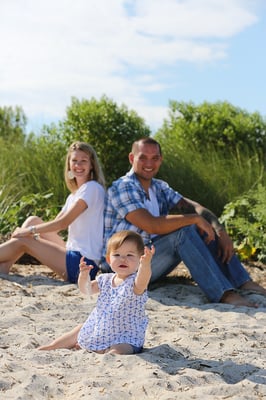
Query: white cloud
[[54, 49], [193, 18]]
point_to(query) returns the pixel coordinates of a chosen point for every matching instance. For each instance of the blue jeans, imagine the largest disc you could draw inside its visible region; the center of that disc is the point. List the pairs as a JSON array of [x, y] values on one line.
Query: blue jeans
[[212, 276]]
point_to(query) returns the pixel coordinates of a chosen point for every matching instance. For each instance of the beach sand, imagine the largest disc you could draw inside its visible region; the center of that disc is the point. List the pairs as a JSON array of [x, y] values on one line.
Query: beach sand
[[193, 349]]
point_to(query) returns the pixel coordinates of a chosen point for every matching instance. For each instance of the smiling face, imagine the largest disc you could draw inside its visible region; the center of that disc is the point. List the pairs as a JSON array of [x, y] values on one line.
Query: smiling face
[[146, 161], [80, 166], [124, 260]]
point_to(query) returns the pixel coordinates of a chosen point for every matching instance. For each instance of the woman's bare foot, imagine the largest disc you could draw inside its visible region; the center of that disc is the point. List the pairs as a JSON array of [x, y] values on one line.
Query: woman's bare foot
[[5, 267], [233, 298], [254, 287]]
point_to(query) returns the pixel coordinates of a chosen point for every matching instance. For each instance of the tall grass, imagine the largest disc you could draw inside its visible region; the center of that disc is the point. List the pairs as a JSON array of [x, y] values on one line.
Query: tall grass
[[35, 167], [213, 178], [32, 169]]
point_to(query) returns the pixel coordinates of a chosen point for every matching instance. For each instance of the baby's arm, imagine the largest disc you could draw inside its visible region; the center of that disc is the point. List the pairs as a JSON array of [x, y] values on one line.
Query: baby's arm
[[86, 286], [144, 271]]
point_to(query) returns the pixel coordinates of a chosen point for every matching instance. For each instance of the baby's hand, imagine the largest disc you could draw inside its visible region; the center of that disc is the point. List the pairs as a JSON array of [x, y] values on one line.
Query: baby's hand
[[84, 280], [148, 254], [144, 271], [83, 267]]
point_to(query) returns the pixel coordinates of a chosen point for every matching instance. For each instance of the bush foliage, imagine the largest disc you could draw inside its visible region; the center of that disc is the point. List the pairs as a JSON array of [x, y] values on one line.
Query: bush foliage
[[213, 152], [109, 128], [31, 204], [217, 125], [245, 221]]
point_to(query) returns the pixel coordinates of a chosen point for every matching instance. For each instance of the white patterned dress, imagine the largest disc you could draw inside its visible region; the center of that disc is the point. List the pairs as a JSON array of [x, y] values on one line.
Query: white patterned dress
[[119, 316]]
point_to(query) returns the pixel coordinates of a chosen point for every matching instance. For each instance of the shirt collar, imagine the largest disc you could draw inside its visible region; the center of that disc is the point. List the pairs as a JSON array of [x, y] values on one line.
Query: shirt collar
[[131, 174]]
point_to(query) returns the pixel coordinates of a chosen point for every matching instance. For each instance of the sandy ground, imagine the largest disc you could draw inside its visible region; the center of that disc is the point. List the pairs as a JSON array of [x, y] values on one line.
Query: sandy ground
[[193, 349]]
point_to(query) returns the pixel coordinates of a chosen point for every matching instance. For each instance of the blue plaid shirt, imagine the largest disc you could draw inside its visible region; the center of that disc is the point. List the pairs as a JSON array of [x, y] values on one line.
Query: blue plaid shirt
[[126, 195]]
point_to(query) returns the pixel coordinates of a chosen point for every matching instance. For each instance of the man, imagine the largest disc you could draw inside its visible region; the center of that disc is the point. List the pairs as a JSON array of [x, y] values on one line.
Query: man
[[139, 202]]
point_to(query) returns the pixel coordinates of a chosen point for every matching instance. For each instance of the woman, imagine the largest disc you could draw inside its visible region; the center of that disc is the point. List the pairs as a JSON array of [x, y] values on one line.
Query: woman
[[82, 214]]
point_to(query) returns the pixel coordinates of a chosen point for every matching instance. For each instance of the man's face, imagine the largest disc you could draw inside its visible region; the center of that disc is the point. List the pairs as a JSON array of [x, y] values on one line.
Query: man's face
[[146, 161]]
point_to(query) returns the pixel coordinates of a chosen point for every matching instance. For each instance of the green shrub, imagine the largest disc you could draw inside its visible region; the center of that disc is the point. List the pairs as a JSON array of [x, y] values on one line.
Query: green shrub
[[109, 128], [220, 125], [213, 153], [245, 221], [15, 212]]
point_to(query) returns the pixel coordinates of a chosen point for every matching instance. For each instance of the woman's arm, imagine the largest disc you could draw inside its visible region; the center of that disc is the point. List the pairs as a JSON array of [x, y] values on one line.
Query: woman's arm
[[61, 222]]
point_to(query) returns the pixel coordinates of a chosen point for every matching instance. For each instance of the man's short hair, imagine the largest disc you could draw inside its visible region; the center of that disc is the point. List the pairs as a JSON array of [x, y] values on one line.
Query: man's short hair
[[145, 140]]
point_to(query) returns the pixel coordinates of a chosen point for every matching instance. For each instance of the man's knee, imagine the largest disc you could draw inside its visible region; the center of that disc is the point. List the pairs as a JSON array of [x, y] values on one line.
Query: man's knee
[[185, 232]]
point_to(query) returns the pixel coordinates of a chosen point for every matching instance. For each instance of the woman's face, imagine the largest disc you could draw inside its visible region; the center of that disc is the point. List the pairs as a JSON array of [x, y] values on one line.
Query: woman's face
[[80, 165]]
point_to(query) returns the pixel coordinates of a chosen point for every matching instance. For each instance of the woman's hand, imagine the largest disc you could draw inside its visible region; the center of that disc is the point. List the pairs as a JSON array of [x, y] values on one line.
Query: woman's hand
[[21, 232]]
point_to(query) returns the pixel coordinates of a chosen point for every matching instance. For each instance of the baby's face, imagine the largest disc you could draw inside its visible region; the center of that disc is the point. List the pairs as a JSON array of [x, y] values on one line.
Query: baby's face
[[125, 259]]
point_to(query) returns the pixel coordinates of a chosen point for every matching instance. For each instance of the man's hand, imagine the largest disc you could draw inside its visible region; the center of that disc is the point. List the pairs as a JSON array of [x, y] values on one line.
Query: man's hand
[[204, 227], [225, 246]]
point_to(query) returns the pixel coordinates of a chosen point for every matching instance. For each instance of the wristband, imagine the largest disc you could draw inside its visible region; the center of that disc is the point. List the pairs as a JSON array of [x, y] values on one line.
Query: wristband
[[32, 229]]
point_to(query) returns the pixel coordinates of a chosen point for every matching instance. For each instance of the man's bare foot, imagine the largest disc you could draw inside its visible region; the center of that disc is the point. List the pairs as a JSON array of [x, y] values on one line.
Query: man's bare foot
[[233, 298], [254, 287]]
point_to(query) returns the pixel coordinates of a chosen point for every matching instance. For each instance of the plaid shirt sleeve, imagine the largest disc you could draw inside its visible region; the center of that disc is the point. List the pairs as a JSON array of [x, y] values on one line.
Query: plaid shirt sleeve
[[122, 197], [126, 195]]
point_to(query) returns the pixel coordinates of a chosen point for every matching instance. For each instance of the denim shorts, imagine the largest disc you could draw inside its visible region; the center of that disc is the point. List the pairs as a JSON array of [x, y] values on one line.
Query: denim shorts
[[72, 266]]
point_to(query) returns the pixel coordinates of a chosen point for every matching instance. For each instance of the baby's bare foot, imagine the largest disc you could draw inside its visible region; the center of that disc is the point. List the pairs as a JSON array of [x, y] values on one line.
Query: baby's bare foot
[[46, 347], [54, 346]]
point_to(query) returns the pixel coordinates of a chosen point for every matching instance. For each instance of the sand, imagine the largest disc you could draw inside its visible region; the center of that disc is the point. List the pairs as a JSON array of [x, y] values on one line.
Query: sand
[[193, 349]]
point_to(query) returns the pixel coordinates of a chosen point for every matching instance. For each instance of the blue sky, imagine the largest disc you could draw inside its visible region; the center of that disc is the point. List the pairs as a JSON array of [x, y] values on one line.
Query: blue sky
[[141, 53]]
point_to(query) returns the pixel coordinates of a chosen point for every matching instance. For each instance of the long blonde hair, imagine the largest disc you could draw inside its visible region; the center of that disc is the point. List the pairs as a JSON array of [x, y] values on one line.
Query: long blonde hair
[[96, 172]]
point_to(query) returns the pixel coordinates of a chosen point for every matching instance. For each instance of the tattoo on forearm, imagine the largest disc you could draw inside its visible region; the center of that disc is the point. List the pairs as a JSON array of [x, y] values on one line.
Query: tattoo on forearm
[[183, 207]]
